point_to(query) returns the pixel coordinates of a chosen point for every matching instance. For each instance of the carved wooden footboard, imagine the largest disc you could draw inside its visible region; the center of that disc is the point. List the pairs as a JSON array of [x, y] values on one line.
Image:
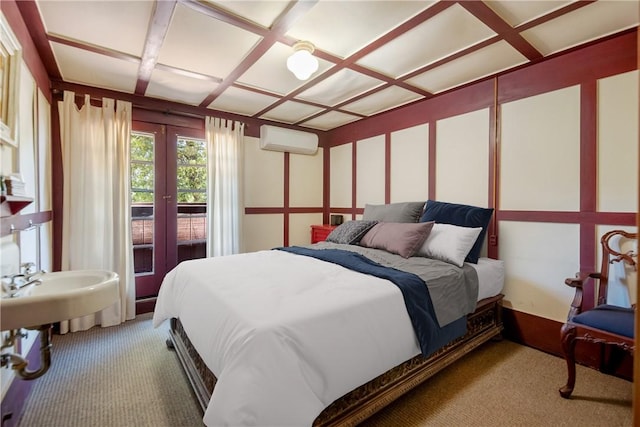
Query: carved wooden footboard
[[354, 407]]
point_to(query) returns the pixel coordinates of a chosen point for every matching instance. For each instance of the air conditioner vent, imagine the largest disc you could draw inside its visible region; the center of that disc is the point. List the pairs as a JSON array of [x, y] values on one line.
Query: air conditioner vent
[[288, 140]]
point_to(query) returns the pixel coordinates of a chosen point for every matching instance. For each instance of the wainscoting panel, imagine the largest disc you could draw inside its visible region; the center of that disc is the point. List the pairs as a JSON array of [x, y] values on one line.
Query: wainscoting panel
[[409, 170], [462, 158], [305, 180], [263, 231], [618, 143], [538, 257], [540, 152], [370, 160], [300, 227], [341, 181], [263, 176]]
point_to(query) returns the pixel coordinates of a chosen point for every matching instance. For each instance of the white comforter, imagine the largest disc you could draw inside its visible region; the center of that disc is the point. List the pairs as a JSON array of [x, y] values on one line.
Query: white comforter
[[285, 334]]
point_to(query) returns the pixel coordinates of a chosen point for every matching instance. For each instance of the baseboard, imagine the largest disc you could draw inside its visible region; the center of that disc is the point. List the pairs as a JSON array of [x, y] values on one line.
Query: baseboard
[[146, 305], [544, 334]]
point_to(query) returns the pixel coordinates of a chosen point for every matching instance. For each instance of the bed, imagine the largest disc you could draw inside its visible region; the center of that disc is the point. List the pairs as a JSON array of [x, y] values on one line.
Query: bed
[[324, 334]]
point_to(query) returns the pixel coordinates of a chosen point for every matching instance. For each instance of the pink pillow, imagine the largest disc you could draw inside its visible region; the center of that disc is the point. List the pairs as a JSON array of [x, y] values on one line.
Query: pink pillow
[[400, 238]]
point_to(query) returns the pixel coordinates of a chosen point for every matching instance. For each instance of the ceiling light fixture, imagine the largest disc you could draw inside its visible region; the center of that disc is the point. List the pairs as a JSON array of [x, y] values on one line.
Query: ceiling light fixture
[[302, 63]]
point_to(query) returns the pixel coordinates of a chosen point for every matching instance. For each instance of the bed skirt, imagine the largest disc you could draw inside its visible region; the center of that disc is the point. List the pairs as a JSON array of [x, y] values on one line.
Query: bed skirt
[[354, 407]]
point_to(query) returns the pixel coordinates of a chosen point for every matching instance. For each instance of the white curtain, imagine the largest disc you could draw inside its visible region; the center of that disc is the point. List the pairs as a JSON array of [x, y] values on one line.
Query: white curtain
[[96, 226], [224, 186]]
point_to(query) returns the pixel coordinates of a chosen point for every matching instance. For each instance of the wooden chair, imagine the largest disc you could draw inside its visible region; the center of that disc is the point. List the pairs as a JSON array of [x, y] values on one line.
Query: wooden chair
[[603, 324]]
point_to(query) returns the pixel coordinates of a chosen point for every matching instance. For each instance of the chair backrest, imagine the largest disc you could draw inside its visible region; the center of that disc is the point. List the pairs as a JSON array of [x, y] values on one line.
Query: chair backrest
[[614, 244]]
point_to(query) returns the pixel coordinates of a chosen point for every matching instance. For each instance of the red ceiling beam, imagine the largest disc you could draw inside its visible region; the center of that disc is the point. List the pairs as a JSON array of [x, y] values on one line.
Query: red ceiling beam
[[31, 16], [281, 26], [492, 20], [156, 33]]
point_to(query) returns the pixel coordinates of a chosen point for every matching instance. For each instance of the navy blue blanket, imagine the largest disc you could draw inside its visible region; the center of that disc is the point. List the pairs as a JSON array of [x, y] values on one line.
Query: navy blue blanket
[[414, 291]]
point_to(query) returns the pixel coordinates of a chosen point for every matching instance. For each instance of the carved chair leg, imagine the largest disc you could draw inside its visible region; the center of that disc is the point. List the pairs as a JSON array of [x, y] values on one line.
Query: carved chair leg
[[568, 335]]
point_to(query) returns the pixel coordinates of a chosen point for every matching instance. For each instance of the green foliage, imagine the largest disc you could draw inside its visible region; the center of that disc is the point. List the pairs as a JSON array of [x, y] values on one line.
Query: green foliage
[[142, 147], [142, 173], [191, 152], [191, 169]]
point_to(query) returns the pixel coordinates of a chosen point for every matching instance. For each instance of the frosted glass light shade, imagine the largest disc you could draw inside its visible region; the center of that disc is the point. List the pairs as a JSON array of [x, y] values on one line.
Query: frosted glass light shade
[[302, 63]]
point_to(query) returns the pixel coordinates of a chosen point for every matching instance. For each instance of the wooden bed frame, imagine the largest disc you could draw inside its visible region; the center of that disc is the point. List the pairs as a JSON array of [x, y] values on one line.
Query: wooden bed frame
[[354, 407]]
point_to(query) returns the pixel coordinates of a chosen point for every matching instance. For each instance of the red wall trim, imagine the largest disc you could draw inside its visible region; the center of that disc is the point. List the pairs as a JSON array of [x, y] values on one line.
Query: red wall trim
[[432, 159], [494, 174], [354, 179], [11, 11], [612, 218], [463, 100], [588, 179], [282, 210], [606, 58], [387, 167], [287, 163], [588, 145], [326, 184]]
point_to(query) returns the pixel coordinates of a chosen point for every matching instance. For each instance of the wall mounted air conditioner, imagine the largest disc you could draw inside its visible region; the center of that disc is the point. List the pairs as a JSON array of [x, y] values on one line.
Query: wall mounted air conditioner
[[282, 139]]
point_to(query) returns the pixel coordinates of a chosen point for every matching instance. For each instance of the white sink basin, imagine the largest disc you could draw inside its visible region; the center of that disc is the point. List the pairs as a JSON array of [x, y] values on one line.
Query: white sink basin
[[62, 295]]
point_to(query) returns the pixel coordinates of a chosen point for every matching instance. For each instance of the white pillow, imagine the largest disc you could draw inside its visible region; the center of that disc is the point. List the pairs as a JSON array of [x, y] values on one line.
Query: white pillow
[[449, 243]]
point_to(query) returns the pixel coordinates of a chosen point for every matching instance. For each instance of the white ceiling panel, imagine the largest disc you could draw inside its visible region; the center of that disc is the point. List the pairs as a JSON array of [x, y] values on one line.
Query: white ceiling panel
[[585, 24], [446, 33], [291, 112], [339, 87], [383, 100], [175, 87], [193, 48], [345, 27], [519, 12], [260, 12], [199, 43], [490, 60], [79, 66], [270, 71], [97, 22], [330, 120], [242, 101]]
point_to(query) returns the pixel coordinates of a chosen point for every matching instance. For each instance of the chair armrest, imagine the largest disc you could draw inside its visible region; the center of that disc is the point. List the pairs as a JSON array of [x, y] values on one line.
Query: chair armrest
[[578, 283]]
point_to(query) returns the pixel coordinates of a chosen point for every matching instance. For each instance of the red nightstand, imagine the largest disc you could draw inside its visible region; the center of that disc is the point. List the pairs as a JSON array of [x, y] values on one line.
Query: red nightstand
[[320, 232]]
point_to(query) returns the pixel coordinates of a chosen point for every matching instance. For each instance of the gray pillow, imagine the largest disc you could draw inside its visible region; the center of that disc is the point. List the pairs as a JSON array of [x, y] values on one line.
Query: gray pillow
[[394, 212], [403, 239], [350, 232]]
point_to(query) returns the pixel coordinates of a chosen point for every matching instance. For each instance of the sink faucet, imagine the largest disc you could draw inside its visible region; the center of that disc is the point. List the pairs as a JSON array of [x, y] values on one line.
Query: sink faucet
[[13, 287], [26, 269]]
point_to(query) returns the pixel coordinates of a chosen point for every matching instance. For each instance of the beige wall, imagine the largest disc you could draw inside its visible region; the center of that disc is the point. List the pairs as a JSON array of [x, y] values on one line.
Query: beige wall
[[264, 193], [539, 171]]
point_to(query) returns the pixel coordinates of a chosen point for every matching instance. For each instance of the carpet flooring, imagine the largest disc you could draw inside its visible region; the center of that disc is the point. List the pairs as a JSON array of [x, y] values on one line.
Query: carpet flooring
[[125, 376]]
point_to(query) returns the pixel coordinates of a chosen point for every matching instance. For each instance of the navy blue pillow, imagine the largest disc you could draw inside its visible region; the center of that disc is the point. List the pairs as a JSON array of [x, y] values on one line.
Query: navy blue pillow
[[463, 216]]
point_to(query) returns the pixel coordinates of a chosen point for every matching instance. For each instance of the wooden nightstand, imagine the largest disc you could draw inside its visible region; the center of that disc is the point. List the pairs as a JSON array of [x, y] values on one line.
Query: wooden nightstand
[[320, 232]]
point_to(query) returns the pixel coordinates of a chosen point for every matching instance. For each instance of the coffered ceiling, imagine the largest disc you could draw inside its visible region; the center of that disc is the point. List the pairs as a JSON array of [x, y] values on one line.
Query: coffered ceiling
[[373, 55]]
